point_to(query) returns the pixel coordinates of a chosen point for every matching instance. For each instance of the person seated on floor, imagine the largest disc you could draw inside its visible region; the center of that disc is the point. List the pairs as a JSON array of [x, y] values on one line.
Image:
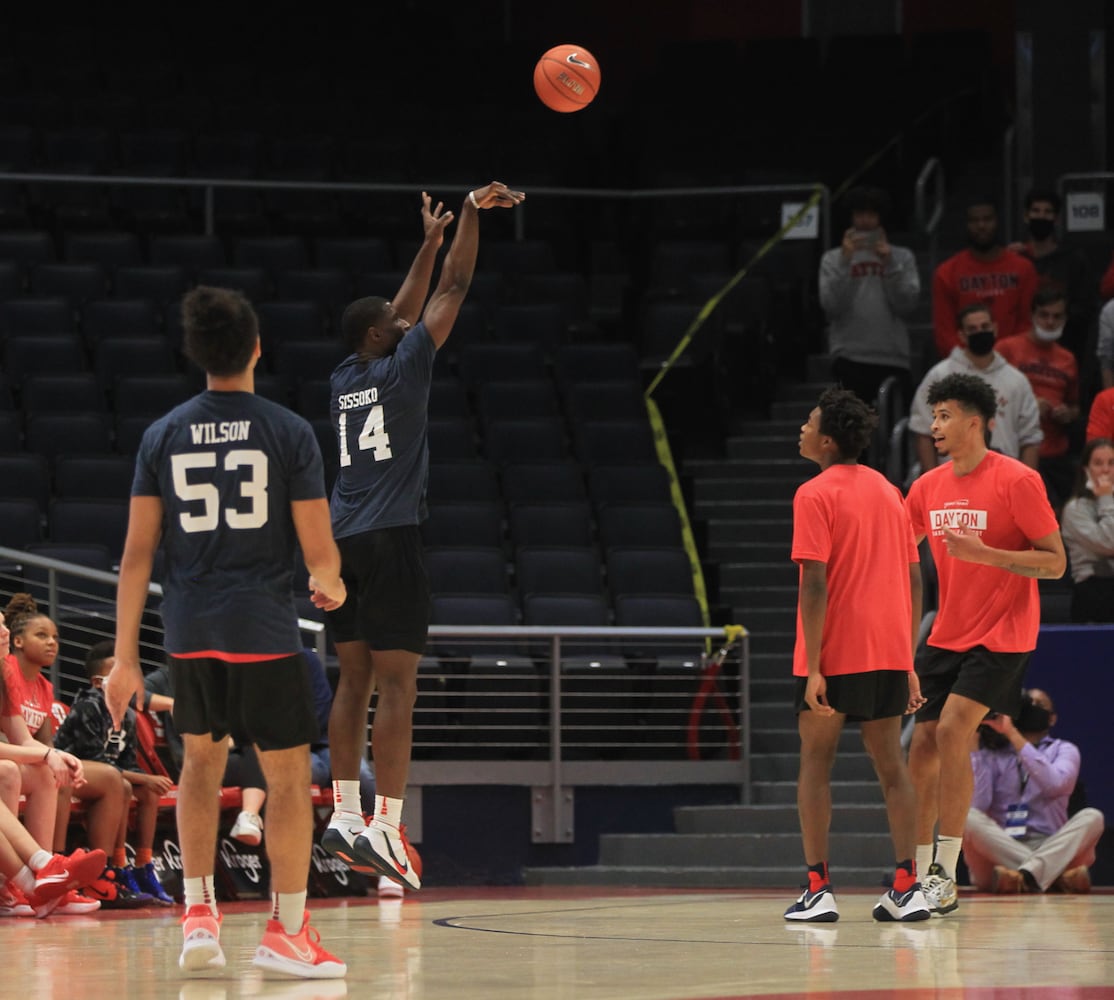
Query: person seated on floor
[[1019, 836], [104, 793], [89, 735]]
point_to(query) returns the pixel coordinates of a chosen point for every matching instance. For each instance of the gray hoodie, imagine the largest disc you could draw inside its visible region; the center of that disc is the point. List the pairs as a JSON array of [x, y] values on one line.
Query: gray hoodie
[[864, 303]]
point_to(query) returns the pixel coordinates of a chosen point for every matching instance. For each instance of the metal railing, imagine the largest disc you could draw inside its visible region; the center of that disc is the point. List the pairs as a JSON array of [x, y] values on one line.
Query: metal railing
[[210, 186], [548, 708], [925, 219]]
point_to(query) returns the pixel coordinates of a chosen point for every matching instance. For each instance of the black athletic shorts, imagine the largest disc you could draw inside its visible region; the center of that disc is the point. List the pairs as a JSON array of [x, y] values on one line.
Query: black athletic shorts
[[388, 591], [265, 702], [874, 694], [991, 679]]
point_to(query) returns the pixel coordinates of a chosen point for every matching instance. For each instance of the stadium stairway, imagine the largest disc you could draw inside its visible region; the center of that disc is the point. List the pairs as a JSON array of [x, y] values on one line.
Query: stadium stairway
[[744, 503]]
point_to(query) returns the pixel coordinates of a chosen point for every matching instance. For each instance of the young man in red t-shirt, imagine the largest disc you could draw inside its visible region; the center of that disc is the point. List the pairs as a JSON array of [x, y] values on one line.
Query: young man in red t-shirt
[[858, 616], [992, 534], [985, 272], [1053, 373]]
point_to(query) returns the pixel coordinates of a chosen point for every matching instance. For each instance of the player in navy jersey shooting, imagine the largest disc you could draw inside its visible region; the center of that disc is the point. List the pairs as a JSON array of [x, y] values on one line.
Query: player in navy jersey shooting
[[379, 402], [230, 483]]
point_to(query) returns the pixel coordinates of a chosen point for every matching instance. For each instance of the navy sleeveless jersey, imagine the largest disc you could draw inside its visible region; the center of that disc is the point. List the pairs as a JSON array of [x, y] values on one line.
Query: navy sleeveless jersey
[[227, 466], [379, 409]]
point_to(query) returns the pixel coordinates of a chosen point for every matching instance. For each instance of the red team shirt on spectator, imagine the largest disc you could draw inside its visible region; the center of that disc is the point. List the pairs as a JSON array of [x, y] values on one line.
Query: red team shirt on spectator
[[33, 699], [1100, 421], [1005, 503], [1053, 373], [1006, 285], [851, 518]]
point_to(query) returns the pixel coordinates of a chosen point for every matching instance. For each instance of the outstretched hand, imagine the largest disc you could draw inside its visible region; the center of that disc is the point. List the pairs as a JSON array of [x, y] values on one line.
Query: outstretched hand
[[434, 221], [497, 195]]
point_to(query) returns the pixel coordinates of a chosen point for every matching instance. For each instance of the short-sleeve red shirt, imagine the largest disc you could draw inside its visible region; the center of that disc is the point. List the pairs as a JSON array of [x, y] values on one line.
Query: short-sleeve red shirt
[[1005, 503], [31, 699], [853, 520]]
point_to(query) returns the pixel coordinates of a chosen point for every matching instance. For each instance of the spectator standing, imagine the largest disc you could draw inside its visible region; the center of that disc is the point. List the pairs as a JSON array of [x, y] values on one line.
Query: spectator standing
[[987, 273], [867, 287]]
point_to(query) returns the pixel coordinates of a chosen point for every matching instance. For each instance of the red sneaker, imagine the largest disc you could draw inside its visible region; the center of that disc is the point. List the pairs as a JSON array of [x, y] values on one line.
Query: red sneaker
[[201, 951], [61, 874], [13, 903], [74, 904], [300, 954]]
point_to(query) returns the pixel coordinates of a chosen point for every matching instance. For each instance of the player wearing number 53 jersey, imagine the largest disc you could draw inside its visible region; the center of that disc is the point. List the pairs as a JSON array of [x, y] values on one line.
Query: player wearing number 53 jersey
[[229, 483], [379, 403]]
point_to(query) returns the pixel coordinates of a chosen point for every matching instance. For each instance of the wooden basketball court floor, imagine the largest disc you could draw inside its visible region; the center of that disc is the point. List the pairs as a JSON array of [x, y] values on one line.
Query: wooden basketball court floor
[[606, 944]]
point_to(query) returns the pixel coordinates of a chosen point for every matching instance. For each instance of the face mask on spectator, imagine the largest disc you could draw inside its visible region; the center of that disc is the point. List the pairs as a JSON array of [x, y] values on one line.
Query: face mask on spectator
[[981, 342], [1047, 336], [1041, 229]]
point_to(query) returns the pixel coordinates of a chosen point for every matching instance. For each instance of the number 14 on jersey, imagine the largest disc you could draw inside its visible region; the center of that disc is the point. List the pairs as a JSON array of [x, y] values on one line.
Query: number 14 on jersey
[[372, 437]]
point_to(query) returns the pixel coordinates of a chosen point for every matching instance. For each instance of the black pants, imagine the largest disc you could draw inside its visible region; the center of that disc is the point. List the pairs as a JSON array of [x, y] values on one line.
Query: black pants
[[1092, 600]]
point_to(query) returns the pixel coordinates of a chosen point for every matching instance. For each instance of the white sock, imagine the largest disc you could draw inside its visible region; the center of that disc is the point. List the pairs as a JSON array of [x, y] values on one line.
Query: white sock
[[947, 854], [24, 880], [346, 797], [289, 909], [39, 860], [199, 892], [388, 810], [923, 859]]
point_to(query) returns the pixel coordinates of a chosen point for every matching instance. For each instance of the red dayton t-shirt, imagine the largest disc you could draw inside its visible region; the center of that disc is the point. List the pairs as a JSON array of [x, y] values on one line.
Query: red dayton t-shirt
[[31, 699], [1005, 503], [851, 518], [1005, 284]]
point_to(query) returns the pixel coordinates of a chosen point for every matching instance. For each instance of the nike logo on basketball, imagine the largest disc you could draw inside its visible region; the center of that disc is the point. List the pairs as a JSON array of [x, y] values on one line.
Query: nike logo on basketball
[[572, 58]]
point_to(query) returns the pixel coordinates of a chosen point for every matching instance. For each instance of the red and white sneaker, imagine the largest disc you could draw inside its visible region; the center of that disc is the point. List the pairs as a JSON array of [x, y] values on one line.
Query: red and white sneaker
[[201, 951], [387, 848], [300, 955], [13, 903], [74, 904], [61, 874]]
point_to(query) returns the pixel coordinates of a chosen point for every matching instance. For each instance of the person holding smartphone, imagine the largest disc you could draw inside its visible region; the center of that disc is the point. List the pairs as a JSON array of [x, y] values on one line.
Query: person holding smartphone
[[867, 287]]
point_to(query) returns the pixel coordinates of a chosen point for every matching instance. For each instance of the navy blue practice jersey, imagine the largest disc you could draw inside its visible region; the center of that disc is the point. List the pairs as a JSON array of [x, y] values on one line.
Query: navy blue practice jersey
[[227, 466], [379, 408]]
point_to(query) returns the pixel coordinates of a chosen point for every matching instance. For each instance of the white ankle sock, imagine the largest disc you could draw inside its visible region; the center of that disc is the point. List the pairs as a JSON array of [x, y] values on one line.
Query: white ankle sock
[[947, 854], [39, 860], [388, 810], [199, 892], [923, 859], [346, 797], [289, 909]]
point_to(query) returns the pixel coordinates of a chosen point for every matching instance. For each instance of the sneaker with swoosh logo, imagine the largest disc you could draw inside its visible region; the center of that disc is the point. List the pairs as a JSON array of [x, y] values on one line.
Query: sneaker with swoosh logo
[[339, 839], [385, 847], [61, 874], [301, 954], [815, 907]]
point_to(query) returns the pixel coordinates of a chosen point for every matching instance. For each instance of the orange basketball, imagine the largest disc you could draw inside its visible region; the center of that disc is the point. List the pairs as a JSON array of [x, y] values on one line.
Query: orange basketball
[[567, 78]]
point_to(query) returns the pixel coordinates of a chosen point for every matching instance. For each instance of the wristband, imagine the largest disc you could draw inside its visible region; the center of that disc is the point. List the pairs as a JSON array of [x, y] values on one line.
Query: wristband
[[472, 199]]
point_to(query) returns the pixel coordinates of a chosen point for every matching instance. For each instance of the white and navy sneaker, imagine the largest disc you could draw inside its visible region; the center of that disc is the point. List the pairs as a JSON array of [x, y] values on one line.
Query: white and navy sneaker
[[904, 907], [815, 907], [939, 890], [340, 836]]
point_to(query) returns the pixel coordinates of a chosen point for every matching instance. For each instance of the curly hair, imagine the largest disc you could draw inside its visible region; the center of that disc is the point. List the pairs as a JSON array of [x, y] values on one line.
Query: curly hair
[[21, 609], [847, 420], [973, 394]]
